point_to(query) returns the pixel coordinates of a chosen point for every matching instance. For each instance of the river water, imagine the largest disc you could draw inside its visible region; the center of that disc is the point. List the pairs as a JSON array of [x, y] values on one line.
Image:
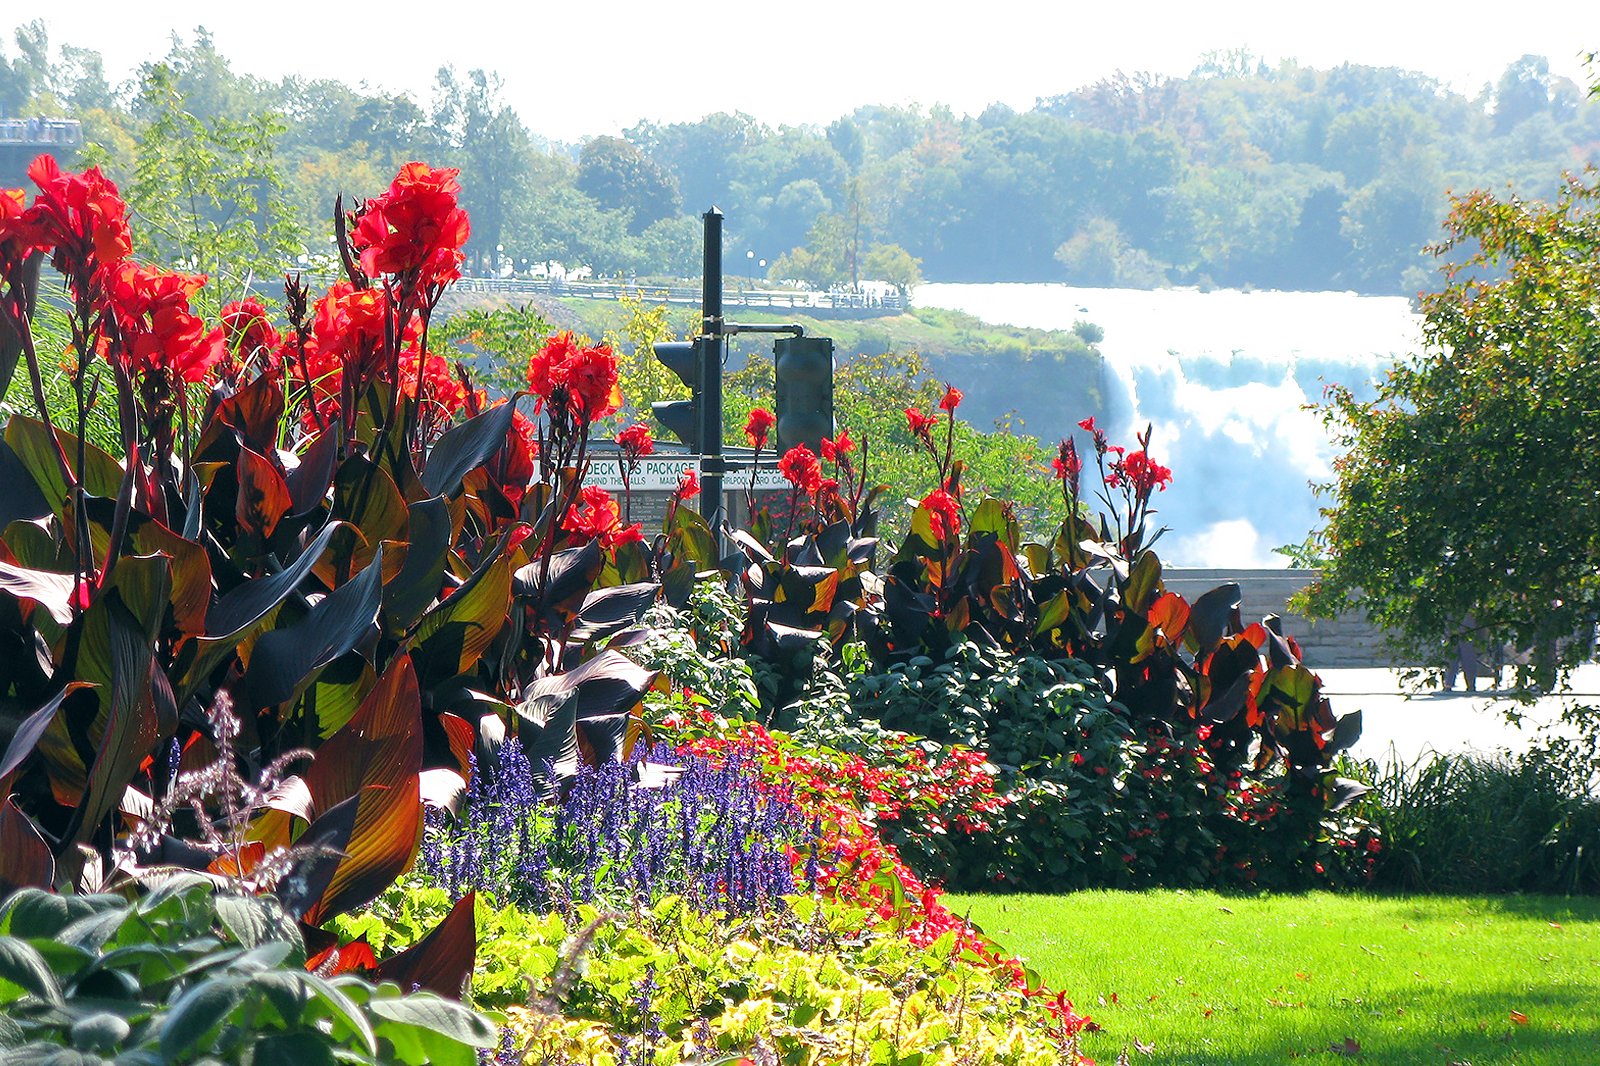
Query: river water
[[1224, 377]]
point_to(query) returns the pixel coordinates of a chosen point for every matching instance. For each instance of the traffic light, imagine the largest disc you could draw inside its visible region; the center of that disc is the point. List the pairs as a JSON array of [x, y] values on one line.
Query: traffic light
[[803, 368], [682, 418]]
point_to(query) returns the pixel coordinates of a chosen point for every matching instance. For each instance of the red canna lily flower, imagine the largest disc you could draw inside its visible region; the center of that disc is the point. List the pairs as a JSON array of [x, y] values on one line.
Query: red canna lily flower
[[944, 513], [247, 330], [80, 215], [757, 426], [951, 399], [921, 425], [418, 226], [799, 467], [584, 377], [161, 336], [636, 442]]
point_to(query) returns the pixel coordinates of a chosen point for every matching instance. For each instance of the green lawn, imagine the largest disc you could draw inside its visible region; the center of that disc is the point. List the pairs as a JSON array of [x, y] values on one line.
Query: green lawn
[[1221, 980]]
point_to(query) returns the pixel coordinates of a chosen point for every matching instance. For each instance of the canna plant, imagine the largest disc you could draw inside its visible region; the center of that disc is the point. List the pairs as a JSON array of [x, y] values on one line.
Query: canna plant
[[323, 561]]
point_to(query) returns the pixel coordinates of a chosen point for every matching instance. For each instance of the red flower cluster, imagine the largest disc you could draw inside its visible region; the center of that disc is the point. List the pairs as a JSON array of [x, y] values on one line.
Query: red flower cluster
[[438, 383], [757, 426], [161, 336], [79, 215], [1067, 465], [1144, 473], [688, 486], [636, 442], [564, 373], [944, 514], [951, 400], [247, 330], [921, 425], [848, 798], [18, 239], [597, 517], [840, 445], [417, 227], [800, 468]]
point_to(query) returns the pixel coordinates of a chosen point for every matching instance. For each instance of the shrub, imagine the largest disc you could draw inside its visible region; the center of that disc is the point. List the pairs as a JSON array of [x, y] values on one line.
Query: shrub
[[1087, 797], [1485, 823], [189, 973]]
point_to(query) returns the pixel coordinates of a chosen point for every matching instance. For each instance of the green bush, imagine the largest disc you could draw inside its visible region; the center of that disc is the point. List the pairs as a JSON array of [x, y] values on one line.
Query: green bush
[[1091, 798], [190, 973], [1486, 823]]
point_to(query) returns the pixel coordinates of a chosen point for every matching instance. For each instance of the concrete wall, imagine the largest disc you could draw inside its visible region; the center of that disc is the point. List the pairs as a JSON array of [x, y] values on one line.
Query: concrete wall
[[1347, 641]]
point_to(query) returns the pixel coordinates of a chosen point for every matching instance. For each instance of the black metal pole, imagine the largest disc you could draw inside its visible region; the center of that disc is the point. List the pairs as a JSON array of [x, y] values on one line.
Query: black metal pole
[[711, 464]]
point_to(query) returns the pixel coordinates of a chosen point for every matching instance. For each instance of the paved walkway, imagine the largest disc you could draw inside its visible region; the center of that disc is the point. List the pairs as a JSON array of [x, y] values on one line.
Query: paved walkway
[[1396, 723]]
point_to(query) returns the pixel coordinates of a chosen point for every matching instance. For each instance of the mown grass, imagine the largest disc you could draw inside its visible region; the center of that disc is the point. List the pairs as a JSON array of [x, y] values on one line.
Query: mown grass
[[1207, 979]]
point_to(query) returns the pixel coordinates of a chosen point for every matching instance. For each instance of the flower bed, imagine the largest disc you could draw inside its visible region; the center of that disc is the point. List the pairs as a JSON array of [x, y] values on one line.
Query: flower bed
[[333, 628]]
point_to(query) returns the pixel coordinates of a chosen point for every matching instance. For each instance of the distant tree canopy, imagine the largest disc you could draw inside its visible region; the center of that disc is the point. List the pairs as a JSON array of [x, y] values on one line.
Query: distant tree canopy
[[1239, 174]]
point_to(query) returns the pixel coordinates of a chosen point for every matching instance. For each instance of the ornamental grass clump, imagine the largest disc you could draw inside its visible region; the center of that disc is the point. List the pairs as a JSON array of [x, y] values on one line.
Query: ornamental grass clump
[[621, 834]]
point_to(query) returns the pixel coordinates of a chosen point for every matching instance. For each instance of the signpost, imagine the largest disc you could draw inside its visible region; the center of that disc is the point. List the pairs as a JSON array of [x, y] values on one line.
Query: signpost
[[658, 473]]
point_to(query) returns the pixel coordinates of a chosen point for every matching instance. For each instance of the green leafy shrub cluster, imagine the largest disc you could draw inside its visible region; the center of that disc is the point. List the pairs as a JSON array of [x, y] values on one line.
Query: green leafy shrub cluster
[[189, 973]]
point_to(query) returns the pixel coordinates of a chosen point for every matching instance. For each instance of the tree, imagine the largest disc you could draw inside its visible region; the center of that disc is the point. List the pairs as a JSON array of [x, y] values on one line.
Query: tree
[[892, 263], [208, 192], [485, 138], [1465, 503], [619, 177]]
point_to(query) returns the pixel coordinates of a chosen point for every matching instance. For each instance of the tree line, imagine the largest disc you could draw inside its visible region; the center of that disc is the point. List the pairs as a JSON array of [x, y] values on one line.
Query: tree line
[[1239, 174]]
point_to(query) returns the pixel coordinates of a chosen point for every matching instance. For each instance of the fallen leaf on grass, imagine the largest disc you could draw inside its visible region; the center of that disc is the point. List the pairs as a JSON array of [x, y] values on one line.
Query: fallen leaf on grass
[[1350, 1048], [1519, 1017], [1143, 1048]]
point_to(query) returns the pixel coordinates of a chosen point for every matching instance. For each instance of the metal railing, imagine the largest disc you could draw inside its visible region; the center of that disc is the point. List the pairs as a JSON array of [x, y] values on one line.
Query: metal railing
[[732, 296], [41, 131]]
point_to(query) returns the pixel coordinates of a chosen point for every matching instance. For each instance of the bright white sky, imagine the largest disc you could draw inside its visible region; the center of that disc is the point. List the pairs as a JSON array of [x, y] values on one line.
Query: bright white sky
[[581, 67]]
